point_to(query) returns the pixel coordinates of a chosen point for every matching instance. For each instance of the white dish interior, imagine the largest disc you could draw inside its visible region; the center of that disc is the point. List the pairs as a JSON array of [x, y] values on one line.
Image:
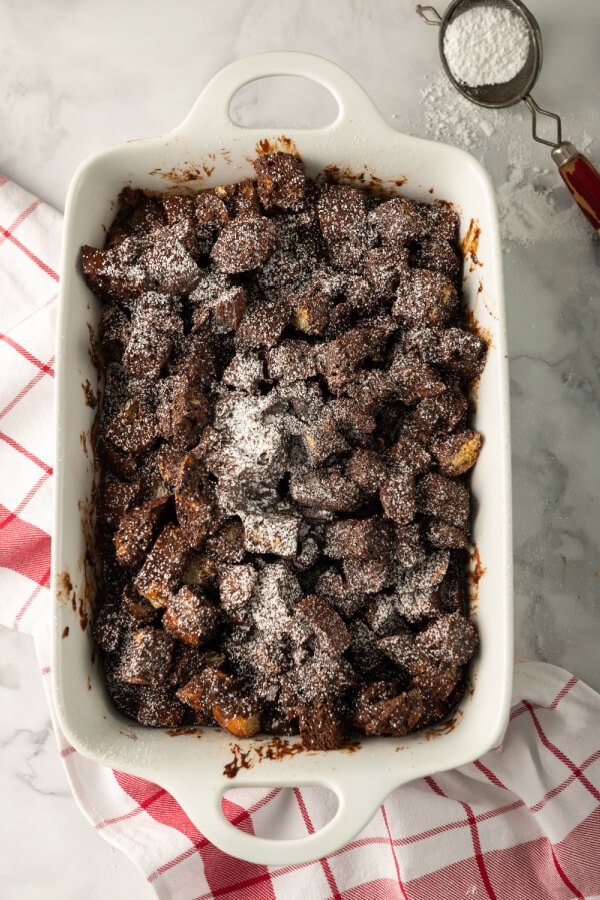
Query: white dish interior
[[217, 151]]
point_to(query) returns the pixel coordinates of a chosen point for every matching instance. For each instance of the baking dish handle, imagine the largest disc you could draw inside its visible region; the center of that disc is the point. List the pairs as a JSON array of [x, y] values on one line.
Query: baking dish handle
[[356, 111], [359, 799]]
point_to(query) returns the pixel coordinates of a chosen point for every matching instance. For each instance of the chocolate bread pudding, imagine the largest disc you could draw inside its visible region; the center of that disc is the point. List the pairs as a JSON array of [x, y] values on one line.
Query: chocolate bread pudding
[[284, 507]]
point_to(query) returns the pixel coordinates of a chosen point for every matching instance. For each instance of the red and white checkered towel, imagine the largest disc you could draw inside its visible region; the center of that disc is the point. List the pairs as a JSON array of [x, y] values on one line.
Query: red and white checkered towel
[[523, 822]]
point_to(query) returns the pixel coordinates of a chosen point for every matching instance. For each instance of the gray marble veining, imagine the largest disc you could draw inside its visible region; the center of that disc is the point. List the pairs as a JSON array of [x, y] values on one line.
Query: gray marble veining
[[47, 849], [77, 77]]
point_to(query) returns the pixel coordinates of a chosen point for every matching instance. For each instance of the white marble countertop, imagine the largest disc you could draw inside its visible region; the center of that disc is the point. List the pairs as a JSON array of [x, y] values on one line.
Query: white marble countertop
[[77, 77]]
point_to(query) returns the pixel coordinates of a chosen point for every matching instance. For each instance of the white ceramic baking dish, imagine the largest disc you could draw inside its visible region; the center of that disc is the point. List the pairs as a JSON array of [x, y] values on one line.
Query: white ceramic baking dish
[[193, 770]]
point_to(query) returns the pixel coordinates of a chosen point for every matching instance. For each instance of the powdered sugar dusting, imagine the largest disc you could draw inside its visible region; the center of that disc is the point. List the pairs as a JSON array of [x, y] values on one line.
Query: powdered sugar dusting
[[251, 455], [486, 45], [533, 205], [250, 377], [452, 118]]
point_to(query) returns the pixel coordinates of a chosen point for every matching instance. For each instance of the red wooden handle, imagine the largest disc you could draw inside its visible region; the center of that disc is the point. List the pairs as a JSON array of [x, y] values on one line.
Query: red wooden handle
[[583, 180]]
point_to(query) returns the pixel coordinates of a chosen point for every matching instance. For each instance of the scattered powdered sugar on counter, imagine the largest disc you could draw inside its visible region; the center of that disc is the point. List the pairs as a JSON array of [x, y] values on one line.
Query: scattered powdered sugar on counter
[[533, 204], [451, 118], [486, 45]]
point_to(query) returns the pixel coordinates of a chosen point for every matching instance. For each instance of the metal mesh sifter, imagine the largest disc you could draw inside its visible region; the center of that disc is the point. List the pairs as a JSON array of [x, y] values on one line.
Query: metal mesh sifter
[[578, 173]]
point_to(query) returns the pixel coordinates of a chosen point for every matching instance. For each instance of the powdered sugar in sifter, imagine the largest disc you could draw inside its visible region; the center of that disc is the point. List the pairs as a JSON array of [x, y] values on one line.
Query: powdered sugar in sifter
[[578, 173]]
